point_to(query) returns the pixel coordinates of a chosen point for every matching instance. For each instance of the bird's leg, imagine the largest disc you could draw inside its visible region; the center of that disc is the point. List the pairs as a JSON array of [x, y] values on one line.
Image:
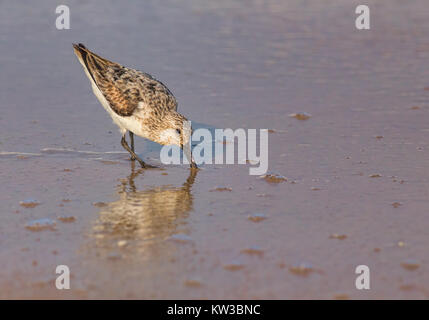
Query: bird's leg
[[132, 144], [127, 147]]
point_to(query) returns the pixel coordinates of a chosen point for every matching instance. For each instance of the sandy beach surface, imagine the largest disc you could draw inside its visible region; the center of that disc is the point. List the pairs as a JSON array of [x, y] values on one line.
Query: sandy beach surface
[[356, 171]]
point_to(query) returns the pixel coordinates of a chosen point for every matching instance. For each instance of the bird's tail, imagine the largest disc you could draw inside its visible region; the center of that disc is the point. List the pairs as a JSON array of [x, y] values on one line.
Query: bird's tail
[[94, 65], [82, 53]]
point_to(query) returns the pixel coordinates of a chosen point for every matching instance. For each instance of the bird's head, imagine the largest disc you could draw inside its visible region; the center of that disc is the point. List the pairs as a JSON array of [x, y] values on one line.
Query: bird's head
[[175, 129]]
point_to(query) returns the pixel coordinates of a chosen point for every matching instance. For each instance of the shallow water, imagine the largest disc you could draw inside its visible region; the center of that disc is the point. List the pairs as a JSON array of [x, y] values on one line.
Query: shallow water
[[356, 187]]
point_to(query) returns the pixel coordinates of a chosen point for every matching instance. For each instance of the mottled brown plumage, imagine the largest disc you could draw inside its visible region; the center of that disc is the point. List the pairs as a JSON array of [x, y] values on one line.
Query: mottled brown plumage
[[136, 101], [124, 88]]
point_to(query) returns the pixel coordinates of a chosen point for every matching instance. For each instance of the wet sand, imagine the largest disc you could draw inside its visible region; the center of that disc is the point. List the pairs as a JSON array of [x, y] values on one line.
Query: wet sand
[[357, 170]]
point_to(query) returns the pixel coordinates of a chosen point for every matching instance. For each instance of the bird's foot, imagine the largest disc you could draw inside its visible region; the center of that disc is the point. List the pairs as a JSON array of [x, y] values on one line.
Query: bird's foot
[[144, 165]]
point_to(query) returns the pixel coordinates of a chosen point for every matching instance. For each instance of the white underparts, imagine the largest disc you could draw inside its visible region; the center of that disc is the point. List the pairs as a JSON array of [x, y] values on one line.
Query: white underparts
[[131, 123]]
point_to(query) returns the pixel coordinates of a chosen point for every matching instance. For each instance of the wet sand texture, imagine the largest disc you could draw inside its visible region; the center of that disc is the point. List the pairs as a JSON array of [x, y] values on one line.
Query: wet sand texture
[[348, 173]]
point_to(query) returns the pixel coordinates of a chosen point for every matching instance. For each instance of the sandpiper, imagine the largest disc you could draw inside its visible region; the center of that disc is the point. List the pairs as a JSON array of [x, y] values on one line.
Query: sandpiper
[[137, 103]]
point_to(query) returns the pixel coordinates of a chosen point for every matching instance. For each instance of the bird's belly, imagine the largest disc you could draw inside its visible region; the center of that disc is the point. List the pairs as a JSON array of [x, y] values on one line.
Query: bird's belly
[[130, 123], [134, 124], [116, 118]]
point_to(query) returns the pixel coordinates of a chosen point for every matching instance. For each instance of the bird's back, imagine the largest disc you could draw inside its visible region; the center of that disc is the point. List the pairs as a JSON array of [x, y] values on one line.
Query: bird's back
[[125, 89]]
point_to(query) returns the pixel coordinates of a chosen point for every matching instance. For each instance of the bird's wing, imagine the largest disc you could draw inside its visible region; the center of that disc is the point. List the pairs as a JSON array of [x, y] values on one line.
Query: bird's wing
[[125, 89]]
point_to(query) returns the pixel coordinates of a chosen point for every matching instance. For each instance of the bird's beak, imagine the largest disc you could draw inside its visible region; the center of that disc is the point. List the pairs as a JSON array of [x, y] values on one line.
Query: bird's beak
[[187, 151]]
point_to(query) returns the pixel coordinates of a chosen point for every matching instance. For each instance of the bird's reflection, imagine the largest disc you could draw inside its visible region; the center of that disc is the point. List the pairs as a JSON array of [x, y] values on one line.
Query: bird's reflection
[[144, 216]]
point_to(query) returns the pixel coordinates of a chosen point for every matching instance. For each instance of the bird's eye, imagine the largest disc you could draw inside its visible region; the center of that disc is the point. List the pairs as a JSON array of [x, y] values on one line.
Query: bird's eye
[[178, 131]]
